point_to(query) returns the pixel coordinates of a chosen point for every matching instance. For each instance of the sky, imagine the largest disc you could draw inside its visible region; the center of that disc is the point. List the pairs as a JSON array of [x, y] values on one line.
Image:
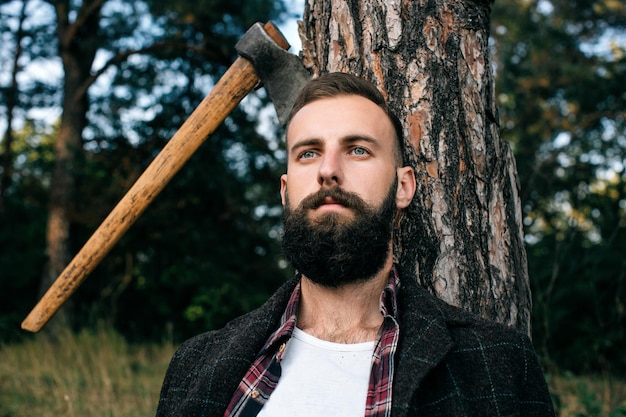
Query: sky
[[290, 27]]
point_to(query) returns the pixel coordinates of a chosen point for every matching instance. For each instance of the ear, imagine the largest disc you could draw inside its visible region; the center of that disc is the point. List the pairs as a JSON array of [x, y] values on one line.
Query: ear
[[406, 187], [283, 189]]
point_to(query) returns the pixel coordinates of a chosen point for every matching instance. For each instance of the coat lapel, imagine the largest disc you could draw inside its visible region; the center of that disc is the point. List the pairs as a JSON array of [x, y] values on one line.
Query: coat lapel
[[424, 342]]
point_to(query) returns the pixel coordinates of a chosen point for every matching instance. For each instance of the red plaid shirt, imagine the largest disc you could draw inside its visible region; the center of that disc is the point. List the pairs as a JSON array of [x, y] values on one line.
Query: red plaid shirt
[[259, 382]]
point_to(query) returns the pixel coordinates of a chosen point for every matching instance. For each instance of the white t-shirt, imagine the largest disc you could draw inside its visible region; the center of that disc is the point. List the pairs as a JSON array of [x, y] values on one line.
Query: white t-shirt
[[321, 378]]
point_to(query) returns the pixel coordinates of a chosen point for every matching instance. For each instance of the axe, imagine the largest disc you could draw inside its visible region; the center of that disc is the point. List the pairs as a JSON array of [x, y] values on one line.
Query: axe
[[263, 57]]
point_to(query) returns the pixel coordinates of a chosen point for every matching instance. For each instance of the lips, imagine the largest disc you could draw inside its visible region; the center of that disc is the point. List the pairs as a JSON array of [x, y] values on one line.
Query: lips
[[330, 204], [330, 200]]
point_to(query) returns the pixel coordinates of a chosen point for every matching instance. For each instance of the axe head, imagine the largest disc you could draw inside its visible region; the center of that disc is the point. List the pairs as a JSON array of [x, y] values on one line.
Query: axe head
[[282, 74]]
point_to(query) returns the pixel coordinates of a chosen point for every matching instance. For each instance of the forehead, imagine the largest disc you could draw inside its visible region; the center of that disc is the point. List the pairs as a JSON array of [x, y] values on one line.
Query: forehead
[[341, 116]]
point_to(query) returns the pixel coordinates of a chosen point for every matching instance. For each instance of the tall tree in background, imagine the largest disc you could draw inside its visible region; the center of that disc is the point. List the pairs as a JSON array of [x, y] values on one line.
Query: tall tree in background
[[462, 238], [11, 95], [78, 43]]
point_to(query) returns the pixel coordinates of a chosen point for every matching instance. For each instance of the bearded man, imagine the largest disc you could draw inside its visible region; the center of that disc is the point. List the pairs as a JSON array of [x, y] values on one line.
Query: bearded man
[[347, 336]]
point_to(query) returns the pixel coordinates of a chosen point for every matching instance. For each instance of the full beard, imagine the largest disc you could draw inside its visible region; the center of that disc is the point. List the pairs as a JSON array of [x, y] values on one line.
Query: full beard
[[333, 250]]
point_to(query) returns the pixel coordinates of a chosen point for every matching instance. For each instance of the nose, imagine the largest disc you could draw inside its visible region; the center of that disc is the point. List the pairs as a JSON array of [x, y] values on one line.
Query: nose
[[330, 170]]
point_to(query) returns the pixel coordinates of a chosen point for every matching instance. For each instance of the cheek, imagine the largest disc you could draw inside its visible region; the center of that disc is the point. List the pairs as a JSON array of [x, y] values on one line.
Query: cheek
[[286, 201], [377, 187], [289, 200], [298, 187]]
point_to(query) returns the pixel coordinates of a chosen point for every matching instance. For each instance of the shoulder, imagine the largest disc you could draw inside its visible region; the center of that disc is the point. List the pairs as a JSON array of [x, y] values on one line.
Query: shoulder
[[205, 370], [484, 342], [468, 328], [486, 347], [436, 331], [478, 359]]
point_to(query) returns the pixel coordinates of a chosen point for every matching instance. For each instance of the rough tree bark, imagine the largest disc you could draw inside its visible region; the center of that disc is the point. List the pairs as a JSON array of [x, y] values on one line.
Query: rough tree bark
[[462, 236], [78, 44]]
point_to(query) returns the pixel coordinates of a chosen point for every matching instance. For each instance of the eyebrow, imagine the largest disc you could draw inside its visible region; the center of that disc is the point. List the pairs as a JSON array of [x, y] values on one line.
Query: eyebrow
[[344, 140], [305, 143], [360, 138]]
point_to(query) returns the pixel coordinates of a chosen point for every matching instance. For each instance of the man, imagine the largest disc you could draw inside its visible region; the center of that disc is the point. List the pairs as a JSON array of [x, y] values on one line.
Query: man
[[347, 336]]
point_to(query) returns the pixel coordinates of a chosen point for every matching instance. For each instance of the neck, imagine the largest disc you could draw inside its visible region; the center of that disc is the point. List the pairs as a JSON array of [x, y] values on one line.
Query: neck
[[347, 314]]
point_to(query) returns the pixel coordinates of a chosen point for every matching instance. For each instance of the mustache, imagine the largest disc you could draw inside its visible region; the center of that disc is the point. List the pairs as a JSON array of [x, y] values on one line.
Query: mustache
[[338, 195]]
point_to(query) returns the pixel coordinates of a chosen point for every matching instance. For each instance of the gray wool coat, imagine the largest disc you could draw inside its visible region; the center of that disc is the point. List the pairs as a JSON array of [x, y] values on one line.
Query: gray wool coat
[[448, 363]]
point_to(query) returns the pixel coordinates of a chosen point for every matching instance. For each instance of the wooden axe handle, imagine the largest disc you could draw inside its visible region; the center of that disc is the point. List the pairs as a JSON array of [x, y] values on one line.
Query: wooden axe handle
[[234, 85]]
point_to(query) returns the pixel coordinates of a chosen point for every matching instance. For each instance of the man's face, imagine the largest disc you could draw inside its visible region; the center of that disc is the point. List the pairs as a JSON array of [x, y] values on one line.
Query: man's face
[[341, 171], [345, 142]]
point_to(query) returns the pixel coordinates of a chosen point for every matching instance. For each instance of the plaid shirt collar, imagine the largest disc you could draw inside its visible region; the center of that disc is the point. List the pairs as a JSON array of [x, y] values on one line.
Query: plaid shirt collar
[[261, 379], [287, 325]]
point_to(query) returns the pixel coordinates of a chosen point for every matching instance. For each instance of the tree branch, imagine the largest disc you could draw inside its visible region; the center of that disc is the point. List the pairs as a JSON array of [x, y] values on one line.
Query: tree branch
[[85, 12], [124, 55]]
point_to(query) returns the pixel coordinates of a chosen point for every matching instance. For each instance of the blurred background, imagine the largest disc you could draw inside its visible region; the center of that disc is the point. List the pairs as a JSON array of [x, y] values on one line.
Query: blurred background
[[207, 249]]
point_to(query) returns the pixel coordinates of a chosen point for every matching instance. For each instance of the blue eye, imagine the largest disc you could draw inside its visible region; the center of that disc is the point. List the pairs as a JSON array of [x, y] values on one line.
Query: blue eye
[[307, 155], [360, 151]]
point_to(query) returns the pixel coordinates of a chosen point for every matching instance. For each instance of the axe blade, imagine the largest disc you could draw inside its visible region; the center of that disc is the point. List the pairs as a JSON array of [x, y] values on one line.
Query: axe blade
[[282, 73]]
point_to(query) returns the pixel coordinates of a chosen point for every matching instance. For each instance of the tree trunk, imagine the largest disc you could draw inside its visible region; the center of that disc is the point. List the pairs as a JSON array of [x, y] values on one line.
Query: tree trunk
[[462, 236], [11, 103], [78, 44]]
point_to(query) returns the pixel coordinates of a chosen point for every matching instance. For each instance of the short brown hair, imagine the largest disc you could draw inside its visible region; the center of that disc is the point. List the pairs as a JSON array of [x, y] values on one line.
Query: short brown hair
[[336, 84]]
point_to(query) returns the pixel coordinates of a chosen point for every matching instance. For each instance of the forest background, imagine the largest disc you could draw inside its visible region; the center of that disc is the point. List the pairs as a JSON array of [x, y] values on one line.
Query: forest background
[[208, 248]]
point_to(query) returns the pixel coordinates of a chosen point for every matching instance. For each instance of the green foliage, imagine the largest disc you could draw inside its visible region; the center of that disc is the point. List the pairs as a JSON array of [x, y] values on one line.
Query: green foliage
[[23, 239], [22, 228], [561, 106], [579, 291], [560, 72]]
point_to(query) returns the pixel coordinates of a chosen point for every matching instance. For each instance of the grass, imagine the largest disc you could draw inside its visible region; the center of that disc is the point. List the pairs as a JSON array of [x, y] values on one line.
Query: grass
[[601, 396], [99, 374], [85, 374]]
